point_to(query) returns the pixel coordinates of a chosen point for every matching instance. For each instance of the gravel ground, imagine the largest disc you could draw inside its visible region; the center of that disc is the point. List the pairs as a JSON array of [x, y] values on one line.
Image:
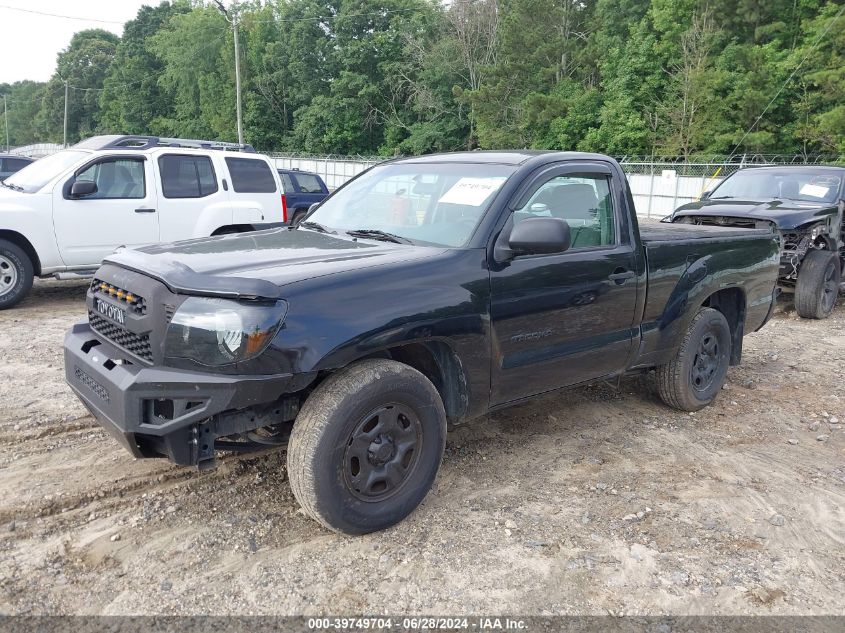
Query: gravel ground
[[591, 501]]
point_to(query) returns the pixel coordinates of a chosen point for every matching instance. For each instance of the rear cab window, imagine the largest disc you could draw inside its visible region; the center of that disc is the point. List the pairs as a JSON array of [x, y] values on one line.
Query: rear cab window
[[251, 175]]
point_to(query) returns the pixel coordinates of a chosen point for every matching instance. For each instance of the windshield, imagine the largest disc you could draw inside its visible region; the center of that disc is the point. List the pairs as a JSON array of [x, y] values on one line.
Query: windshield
[[436, 204], [791, 184], [35, 175]]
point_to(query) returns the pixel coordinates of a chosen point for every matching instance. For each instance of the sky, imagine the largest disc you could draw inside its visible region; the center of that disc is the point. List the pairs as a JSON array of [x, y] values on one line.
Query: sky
[[30, 42]]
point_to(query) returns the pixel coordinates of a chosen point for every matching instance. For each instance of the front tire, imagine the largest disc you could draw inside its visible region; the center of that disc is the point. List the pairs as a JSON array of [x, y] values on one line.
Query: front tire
[[16, 274], [366, 446], [817, 287], [691, 380]]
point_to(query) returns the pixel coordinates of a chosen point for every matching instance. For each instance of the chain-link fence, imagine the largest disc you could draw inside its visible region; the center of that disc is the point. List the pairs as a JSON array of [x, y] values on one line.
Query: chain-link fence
[[334, 170], [37, 150], [659, 184], [659, 188]]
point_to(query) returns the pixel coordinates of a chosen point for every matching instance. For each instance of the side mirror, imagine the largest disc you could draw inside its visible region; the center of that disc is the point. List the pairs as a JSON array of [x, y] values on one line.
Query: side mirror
[[705, 195], [82, 188], [540, 236]]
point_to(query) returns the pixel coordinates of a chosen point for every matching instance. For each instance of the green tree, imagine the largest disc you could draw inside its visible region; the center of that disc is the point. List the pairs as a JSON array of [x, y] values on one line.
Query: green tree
[[83, 65], [819, 98], [195, 79], [132, 101], [23, 102]]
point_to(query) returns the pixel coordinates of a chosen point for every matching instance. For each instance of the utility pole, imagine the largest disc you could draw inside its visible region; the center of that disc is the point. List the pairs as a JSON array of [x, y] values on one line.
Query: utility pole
[[6, 122], [65, 126], [233, 20]]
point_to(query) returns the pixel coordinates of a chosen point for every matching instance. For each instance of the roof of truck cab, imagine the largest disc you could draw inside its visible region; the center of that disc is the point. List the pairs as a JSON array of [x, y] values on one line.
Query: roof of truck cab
[[500, 157]]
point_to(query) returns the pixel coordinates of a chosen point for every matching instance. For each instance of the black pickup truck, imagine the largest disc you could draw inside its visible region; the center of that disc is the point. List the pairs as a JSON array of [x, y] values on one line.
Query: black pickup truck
[[805, 205], [426, 290]]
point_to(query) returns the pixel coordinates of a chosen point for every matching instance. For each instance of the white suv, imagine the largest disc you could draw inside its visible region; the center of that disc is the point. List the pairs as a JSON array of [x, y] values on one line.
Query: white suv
[[61, 215]]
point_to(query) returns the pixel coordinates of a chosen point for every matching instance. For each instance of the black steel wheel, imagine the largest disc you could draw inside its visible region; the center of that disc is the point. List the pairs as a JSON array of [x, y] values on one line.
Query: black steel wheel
[[706, 362], [366, 446], [382, 452], [693, 378]]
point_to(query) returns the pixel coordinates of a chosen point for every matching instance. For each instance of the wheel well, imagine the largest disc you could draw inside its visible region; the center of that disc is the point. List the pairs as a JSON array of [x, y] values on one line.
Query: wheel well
[[23, 243], [233, 228], [437, 362], [731, 303]]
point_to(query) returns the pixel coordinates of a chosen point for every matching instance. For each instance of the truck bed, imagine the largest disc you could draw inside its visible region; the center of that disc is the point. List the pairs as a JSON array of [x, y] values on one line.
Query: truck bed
[[684, 257], [664, 232]]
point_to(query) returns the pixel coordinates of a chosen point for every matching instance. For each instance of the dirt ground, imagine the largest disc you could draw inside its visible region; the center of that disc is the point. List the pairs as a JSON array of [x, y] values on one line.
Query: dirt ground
[[591, 501]]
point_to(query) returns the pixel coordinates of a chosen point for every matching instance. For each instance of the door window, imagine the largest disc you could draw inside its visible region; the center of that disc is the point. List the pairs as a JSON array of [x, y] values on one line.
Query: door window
[[118, 178], [251, 175], [187, 176], [583, 200], [309, 183]]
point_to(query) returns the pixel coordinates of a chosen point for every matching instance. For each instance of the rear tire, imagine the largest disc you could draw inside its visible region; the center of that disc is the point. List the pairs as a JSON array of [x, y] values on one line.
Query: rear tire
[[691, 380], [297, 216], [818, 285], [16, 274], [366, 446]]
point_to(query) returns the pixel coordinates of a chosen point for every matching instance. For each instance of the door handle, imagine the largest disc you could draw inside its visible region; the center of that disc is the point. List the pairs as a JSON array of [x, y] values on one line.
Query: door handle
[[142, 210], [620, 275]]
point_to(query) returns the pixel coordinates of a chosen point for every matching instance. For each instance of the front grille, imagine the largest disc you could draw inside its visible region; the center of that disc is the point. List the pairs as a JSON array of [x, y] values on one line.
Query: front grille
[[132, 301], [136, 344], [92, 384]]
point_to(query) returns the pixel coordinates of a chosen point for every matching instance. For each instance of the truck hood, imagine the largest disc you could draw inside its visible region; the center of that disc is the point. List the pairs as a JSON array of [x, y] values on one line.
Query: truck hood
[[786, 214], [259, 264]]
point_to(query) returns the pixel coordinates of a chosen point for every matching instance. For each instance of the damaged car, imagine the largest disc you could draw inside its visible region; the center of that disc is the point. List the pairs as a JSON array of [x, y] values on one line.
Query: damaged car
[[805, 205]]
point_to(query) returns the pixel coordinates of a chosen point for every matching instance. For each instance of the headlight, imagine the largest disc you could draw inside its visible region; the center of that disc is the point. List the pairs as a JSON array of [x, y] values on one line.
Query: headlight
[[220, 331]]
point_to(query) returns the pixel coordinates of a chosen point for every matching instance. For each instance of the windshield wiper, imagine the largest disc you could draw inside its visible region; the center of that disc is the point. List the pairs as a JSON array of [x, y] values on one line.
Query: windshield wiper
[[314, 226], [12, 187], [375, 234]]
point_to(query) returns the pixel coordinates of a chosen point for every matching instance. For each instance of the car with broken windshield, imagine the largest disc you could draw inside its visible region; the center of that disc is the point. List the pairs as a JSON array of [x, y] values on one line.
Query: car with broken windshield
[[806, 206]]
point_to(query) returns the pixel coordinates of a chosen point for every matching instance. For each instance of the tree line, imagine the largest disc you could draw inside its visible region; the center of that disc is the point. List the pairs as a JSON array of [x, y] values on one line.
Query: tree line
[[624, 77]]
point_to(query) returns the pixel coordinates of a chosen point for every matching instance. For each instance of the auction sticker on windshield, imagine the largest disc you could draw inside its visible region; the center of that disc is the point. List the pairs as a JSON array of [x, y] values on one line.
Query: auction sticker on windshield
[[472, 191], [816, 191]]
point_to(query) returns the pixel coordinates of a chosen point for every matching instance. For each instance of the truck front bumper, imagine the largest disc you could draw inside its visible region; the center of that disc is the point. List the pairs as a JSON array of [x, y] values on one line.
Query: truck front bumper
[[157, 411]]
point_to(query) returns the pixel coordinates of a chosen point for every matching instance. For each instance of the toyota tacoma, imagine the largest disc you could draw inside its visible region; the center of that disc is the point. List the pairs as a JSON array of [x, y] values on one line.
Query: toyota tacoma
[[425, 292]]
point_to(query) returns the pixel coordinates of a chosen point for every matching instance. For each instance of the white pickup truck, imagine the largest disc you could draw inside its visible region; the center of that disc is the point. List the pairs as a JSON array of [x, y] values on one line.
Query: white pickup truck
[[61, 215]]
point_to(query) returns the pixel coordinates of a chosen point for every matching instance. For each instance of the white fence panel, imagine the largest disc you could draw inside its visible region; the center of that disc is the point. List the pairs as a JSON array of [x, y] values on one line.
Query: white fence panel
[[334, 171]]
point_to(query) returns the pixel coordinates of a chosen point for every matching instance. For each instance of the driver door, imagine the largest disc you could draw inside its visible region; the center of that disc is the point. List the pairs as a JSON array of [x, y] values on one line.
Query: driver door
[[563, 318], [121, 212]]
